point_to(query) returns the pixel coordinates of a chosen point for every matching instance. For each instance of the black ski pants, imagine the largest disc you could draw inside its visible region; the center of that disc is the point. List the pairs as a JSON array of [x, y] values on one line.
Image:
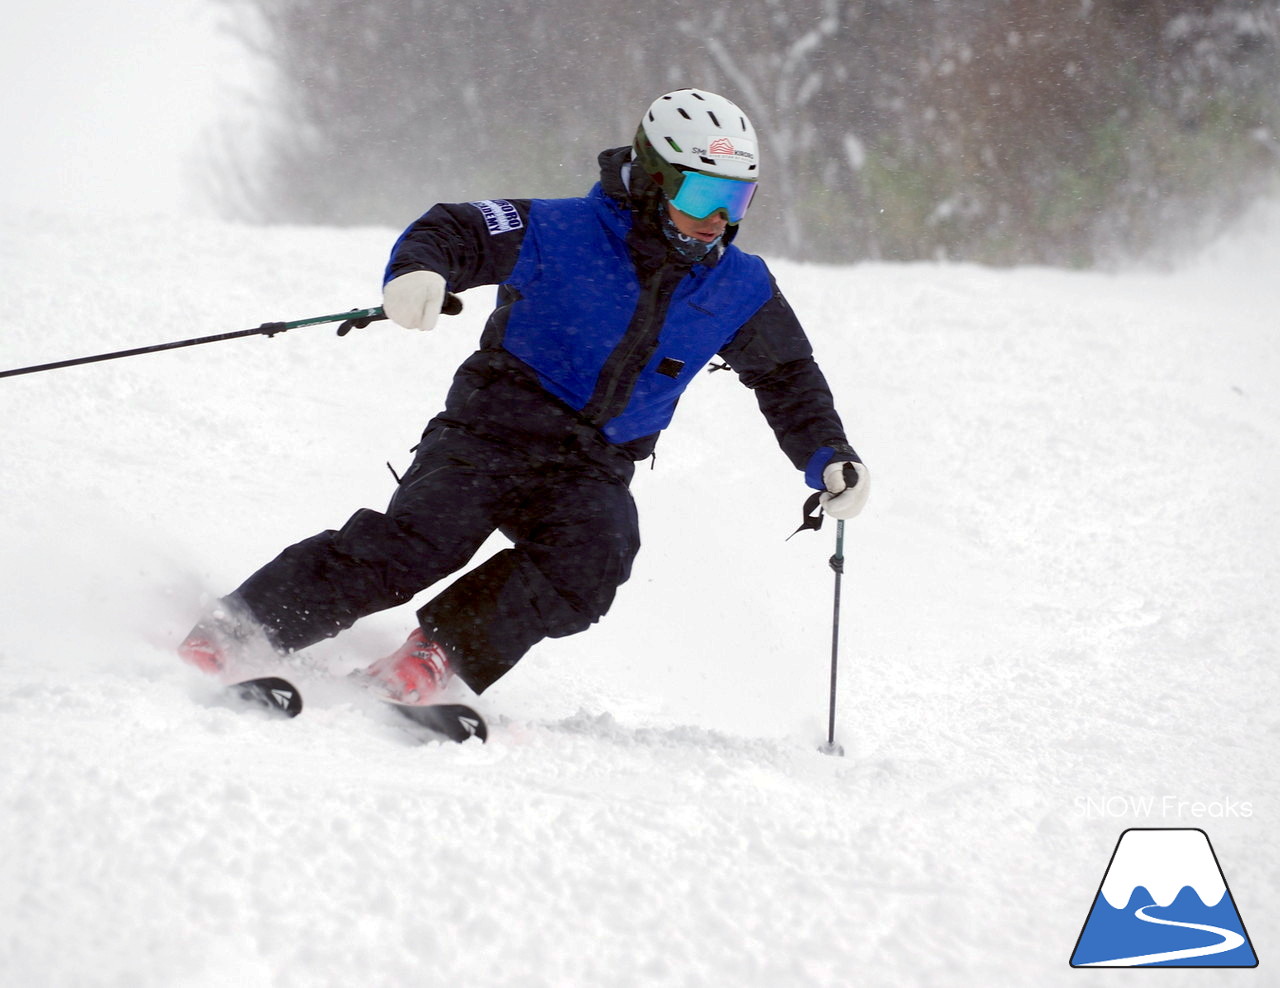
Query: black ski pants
[[569, 515]]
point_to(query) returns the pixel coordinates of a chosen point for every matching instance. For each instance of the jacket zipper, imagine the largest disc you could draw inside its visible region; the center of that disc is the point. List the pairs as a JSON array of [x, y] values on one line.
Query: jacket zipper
[[622, 369]]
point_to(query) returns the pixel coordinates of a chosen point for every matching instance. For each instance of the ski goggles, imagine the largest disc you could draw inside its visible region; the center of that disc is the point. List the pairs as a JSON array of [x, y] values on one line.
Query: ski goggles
[[701, 195]]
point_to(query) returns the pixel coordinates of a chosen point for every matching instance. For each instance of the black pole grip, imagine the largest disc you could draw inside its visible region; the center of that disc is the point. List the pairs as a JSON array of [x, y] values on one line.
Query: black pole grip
[[452, 306]]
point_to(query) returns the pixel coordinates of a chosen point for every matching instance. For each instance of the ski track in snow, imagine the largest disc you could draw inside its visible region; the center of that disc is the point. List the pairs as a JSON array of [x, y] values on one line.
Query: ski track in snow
[[1063, 588]]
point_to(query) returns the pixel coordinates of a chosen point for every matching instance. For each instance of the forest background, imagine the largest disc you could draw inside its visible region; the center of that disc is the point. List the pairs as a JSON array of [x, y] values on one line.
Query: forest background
[[1074, 133]]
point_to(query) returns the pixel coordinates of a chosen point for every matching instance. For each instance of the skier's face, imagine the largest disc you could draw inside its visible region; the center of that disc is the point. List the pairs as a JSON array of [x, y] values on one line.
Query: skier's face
[[706, 229]]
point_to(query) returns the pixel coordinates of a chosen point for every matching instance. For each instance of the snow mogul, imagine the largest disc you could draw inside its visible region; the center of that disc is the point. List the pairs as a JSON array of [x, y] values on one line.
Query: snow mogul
[[608, 306]]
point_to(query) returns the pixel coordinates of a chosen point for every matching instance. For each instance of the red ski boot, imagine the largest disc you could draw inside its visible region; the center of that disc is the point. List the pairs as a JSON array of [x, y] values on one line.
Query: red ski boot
[[202, 650], [225, 641], [416, 673]]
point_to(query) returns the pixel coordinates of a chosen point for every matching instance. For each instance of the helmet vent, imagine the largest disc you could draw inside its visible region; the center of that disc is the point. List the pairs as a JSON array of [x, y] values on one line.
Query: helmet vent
[[713, 119], [683, 112], [674, 146]]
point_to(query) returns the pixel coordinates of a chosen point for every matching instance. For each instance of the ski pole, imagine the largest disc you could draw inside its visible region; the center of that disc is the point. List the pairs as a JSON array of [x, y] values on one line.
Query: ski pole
[[837, 564], [354, 319]]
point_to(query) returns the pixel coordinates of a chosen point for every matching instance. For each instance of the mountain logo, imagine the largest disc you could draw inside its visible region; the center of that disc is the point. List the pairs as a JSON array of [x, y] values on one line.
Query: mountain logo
[[1164, 902]]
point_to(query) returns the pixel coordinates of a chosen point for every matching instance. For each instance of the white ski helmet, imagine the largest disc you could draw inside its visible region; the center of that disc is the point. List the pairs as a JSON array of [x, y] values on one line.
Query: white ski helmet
[[700, 150]]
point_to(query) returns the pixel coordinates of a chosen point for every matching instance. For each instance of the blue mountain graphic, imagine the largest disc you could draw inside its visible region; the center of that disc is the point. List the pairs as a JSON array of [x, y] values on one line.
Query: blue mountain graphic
[[1110, 934]]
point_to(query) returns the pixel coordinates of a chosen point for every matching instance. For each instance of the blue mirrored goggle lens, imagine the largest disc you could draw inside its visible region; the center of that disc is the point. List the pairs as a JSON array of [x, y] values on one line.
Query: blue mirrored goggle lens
[[701, 195]]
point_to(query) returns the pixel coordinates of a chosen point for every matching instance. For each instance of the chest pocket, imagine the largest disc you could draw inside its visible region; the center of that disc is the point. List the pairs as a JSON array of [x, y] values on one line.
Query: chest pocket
[[706, 315]]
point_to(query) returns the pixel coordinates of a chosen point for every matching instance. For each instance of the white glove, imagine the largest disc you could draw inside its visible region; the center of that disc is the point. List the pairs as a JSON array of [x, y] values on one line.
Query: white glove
[[843, 500], [414, 300]]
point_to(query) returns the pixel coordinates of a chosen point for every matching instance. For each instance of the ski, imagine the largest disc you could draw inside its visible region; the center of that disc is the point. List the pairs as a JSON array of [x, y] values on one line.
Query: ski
[[269, 693], [455, 721]]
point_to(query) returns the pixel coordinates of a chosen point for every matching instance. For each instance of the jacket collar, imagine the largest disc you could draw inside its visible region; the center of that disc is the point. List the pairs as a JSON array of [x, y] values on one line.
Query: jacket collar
[[631, 190]]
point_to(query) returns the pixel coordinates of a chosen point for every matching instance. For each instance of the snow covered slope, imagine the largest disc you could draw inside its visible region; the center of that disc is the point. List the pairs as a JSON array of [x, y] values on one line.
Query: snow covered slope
[[1059, 611]]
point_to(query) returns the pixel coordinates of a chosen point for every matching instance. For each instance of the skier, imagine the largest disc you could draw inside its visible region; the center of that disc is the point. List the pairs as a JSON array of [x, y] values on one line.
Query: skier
[[608, 306]]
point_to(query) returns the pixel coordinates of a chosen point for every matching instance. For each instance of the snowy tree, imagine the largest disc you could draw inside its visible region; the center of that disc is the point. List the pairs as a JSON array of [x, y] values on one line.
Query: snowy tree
[[1005, 132]]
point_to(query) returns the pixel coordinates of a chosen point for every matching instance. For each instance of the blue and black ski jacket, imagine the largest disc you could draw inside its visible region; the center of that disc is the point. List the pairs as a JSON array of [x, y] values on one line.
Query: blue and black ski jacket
[[599, 326]]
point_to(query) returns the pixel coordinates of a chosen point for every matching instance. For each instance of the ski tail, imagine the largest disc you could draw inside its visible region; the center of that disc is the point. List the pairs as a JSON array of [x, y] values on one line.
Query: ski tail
[[270, 693], [455, 721]]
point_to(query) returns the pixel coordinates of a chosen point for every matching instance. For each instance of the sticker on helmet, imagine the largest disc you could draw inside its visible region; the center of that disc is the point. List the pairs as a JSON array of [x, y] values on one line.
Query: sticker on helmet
[[725, 147]]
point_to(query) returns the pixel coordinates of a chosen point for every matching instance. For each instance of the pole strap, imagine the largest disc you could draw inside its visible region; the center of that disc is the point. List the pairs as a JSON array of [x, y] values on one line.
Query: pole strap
[[811, 520]]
